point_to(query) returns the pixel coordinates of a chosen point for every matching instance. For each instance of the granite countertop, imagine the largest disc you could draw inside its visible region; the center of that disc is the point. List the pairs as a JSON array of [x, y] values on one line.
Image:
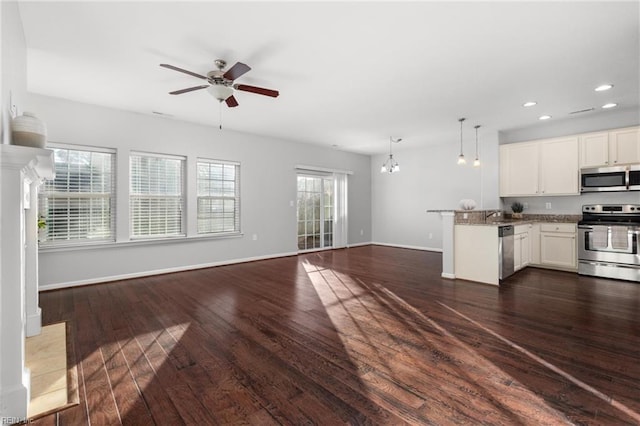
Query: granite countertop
[[480, 218]]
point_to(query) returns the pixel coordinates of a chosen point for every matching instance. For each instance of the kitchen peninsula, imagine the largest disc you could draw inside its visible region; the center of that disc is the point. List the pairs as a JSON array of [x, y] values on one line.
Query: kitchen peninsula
[[541, 240]]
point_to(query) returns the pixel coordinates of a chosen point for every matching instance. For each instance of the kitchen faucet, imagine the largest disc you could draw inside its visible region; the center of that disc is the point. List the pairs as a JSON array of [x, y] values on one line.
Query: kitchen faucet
[[497, 213]]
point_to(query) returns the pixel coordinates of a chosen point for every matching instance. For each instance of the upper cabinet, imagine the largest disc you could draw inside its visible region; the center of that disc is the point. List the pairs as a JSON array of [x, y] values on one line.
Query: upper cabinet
[[519, 169], [624, 146], [559, 170], [546, 167], [594, 149], [620, 146]]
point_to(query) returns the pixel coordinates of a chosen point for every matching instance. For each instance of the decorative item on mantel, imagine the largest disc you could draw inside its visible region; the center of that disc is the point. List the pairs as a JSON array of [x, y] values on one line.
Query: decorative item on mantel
[[28, 130], [517, 208], [467, 204]]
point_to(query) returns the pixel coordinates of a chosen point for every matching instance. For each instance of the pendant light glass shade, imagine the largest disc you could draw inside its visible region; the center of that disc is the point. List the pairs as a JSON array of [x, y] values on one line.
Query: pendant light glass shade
[[476, 162], [461, 159], [391, 165]]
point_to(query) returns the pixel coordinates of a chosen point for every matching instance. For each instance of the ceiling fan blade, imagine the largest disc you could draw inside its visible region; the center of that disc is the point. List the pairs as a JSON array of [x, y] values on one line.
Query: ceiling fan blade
[[171, 67], [258, 90], [231, 102], [236, 71], [189, 89]]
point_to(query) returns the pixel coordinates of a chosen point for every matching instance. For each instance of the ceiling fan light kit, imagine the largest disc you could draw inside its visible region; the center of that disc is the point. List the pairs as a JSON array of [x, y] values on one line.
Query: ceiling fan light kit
[[220, 92]]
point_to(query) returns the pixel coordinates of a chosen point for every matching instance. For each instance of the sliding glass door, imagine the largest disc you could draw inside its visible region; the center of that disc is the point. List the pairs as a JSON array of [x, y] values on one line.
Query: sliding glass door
[[316, 202]]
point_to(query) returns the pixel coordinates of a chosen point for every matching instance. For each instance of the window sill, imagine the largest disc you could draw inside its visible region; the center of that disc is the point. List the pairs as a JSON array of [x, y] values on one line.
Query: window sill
[[137, 242]]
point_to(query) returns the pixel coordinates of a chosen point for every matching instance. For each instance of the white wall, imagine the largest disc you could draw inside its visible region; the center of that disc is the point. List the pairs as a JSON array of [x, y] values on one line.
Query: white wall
[[589, 122], [13, 64], [268, 186], [430, 179]]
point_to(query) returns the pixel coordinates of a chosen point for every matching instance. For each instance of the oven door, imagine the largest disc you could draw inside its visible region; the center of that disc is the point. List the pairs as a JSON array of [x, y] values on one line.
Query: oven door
[[609, 243], [604, 179]]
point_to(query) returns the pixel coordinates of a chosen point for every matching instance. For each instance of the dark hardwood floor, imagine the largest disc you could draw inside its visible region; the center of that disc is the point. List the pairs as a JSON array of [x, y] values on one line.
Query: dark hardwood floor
[[368, 335]]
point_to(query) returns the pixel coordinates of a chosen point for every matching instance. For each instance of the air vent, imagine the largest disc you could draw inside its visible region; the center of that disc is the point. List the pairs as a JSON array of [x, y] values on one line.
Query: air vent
[[582, 110], [162, 114]]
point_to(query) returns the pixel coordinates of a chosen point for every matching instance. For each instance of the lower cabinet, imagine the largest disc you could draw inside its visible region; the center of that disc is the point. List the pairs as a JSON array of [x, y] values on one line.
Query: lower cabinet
[[558, 245], [521, 247]]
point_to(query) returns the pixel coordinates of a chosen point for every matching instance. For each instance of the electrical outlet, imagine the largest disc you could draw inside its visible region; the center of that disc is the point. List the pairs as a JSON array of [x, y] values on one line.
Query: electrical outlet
[[465, 215], [362, 232], [548, 206], [525, 205], [255, 237], [430, 235]]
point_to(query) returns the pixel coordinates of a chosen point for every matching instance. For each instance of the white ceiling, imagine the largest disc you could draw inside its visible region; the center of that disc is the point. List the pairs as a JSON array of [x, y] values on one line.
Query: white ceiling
[[350, 74]]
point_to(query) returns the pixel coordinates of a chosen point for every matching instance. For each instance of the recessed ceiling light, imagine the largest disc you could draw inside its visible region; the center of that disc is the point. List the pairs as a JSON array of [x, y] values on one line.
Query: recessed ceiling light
[[544, 117], [529, 104], [609, 105], [603, 87]]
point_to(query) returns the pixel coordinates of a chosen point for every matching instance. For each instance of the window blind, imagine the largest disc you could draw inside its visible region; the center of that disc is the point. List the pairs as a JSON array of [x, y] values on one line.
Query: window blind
[[218, 185], [78, 206], [156, 195]]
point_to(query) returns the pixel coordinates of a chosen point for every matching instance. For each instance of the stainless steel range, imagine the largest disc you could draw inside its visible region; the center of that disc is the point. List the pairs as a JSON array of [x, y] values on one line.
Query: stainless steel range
[[608, 241]]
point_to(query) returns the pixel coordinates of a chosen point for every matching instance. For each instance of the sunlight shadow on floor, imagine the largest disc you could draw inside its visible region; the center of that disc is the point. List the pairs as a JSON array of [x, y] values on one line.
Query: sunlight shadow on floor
[[53, 376], [620, 406], [411, 347]]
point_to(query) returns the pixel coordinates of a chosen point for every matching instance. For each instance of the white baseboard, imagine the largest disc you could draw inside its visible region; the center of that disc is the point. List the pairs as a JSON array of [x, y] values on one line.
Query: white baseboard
[[439, 250], [34, 323], [15, 400], [448, 276], [100, 280], [368, 243]]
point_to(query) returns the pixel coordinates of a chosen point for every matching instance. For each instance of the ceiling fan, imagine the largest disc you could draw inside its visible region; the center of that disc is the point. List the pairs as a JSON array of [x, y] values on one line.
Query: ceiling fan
[[221, 83]]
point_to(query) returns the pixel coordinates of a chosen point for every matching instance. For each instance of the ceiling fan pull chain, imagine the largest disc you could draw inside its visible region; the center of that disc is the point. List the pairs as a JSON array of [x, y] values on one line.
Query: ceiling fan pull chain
[[220, 118]]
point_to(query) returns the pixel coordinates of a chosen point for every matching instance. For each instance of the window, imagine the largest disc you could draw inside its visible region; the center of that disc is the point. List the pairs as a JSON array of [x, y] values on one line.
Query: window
[[315, 212], [156, 195], [218, 196], [78, 206]]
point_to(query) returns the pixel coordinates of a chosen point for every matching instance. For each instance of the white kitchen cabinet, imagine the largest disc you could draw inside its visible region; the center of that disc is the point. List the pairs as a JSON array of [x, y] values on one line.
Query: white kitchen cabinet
[[594, 149], [519, 169], [624, 146], [558, 245], [546, 167], [534, 244], [521, 247], [559, 168], [618, 146]]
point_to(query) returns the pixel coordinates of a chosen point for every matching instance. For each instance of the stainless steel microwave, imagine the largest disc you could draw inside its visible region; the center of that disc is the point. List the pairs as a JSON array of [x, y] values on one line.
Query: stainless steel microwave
[[615, 178]]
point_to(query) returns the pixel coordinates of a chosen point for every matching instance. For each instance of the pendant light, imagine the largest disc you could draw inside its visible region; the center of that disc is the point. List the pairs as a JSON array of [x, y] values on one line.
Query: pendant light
[[461, 159], [476, 162], [391, 165]]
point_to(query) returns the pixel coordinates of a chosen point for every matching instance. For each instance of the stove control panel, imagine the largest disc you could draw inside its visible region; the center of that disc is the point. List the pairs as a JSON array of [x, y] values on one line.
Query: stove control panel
[[611, 208]]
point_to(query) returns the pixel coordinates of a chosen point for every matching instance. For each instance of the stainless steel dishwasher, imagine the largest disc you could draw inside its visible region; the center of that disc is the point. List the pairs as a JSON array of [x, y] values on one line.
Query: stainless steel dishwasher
[[505, 250]]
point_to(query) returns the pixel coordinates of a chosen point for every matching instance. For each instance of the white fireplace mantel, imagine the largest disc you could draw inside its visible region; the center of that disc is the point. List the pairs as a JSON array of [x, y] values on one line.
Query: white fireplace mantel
[[22, 170]]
